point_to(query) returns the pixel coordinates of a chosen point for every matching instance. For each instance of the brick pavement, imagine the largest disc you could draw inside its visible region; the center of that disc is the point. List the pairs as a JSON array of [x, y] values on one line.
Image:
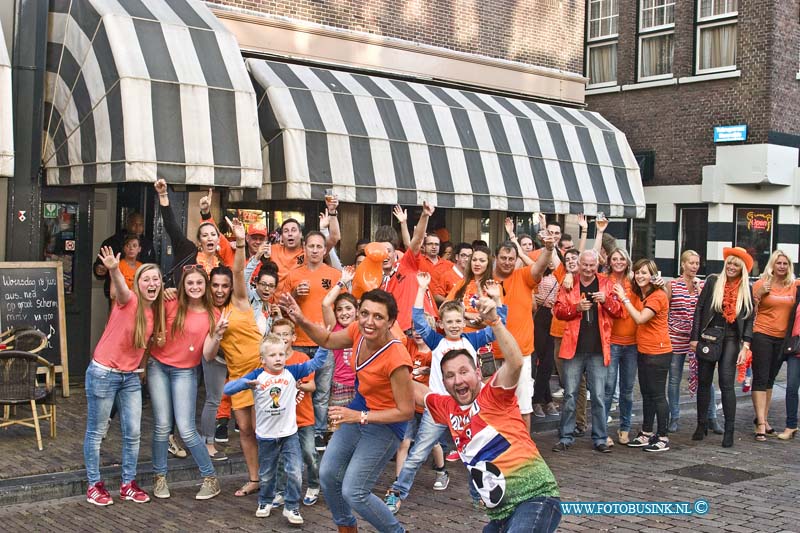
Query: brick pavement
[[765, 504]]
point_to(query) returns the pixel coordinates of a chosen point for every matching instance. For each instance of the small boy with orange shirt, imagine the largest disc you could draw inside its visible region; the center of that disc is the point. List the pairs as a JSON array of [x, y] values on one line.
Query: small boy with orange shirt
[[128, 264], [285, 329]]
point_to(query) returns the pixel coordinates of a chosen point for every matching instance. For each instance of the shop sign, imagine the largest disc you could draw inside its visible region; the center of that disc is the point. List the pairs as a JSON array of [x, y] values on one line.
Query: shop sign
[[50, 210], [759, 221], [726, 134]]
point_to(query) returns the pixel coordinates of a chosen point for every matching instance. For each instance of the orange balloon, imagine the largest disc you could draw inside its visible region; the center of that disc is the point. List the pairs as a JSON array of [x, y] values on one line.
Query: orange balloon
[[369, 274]]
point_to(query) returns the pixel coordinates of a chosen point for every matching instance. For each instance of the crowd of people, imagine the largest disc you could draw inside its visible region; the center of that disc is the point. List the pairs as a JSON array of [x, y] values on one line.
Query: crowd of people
[[331, 371]]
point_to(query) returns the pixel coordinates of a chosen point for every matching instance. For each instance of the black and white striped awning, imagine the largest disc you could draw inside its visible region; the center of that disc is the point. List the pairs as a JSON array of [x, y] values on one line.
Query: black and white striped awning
[[6, 120], [140, 89], [378, 140]]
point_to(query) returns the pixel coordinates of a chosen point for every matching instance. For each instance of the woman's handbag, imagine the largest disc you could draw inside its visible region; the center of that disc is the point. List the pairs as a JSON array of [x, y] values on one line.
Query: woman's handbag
[[709, 346], [792, 346]]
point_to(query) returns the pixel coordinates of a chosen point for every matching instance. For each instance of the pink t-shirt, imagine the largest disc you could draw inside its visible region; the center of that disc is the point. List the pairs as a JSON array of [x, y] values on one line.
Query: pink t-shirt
[[115, 348], [184, 350], [342, 370]]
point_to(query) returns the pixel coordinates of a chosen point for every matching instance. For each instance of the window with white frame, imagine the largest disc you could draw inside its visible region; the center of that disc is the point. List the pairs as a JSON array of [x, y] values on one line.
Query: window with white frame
[[656, 39], [601, 42], [716, 35]]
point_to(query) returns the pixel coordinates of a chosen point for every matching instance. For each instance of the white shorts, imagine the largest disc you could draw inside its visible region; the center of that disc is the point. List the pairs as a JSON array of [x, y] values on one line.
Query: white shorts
[[524, 391]]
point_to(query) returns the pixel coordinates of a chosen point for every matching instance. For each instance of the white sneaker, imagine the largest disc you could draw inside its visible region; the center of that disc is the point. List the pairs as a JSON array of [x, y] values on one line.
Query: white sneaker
[[277, 501], [312, 495], [558, 394], [263, 510], [293, 516]]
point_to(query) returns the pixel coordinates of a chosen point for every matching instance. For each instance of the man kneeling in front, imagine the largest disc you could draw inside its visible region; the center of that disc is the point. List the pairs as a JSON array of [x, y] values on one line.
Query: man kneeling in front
[[515, 484]]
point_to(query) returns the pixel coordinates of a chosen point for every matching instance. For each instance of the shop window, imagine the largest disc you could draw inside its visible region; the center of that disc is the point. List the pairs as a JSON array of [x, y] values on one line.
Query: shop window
[[716, 35], [656, 39], [755, 230], [601, 42], [643, 238], [693, 234]]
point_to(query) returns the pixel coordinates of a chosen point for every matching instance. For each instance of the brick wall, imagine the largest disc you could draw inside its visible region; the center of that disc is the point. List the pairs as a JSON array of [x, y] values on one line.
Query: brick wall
[[677, 121], [547, 33]]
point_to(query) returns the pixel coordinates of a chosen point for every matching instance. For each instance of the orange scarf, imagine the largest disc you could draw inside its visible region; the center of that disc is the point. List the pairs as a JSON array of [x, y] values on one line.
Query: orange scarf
[[729, 299]]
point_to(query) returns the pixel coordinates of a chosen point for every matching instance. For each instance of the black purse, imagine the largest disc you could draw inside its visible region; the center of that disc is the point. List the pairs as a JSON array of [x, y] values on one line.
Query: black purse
[[709, 346], [792, 346]]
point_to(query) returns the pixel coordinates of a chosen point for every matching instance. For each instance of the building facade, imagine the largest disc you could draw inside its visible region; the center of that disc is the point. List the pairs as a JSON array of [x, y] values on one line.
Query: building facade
[[668, 72]]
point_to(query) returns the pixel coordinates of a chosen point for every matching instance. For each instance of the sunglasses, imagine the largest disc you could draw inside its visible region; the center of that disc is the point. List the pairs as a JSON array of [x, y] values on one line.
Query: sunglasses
[[196, 266]]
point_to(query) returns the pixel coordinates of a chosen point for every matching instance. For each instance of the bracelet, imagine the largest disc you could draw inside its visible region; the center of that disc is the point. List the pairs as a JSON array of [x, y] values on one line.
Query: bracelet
[[335, 213], [364, 421], [626, 300], [163, 194], [240, 243], [341, 285], [496, 322]]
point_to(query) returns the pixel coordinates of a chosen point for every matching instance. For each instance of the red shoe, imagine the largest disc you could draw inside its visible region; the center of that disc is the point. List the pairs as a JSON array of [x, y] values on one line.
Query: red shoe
[[132, 492], [98, 495], [453, 457]]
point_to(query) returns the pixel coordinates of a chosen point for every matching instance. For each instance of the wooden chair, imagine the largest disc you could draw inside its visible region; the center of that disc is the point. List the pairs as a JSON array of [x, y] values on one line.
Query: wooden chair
[[19, 386]]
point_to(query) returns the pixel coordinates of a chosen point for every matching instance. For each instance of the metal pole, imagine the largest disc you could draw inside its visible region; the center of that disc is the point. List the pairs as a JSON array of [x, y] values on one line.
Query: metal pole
[[24, 234]]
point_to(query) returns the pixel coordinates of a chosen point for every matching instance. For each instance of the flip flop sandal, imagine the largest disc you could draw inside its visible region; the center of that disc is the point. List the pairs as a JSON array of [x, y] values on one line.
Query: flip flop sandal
[[244, 490]]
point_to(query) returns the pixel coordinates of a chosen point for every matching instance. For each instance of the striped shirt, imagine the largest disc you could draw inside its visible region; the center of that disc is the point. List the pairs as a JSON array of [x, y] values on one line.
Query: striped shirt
[[681, 313], [548, 290]]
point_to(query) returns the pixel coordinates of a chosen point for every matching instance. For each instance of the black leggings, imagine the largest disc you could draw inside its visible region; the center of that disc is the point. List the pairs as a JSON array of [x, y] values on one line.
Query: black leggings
[[653, 370], [766, 360], [727, 382], [543, 346]]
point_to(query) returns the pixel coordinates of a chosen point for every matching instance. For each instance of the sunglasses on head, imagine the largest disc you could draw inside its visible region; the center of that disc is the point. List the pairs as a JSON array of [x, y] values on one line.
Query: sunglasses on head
[[196, 266]]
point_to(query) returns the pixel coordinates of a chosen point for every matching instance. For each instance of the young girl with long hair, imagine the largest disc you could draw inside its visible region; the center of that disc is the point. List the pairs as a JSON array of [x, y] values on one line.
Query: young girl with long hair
[[655, 352], [338, 312], [479, 272], [725, 302], [192, 330], [113, 375]]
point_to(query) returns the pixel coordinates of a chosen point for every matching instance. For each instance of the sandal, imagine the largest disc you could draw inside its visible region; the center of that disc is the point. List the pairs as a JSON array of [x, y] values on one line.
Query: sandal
[[244, 491], [760, 436]]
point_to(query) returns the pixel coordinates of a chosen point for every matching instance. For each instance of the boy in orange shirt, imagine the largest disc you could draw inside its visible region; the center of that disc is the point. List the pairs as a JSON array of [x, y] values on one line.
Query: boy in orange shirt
[[128, 264], [285, 329]]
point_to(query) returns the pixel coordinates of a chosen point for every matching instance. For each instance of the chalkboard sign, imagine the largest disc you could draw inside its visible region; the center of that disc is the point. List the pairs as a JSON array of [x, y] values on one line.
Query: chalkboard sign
[[32, 295]]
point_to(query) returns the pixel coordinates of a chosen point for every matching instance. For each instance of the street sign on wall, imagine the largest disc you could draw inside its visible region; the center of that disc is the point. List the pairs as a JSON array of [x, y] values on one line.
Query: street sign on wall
[[725, 134]]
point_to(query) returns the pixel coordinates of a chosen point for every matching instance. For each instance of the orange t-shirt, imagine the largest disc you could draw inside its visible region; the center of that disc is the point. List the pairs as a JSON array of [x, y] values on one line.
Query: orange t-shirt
[[426, 265], [445, 279], [403, 286], [774, 309], [653, 336], [287, 260], [557, 328], [305, 409], [623, 329], [129, 272], [374, 373], [321, 280], [519, 287]]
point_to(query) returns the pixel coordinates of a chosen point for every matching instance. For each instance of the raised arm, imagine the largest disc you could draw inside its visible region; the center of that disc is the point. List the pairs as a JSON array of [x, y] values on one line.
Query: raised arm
[[337, 340], [119, 289], [640, 317], [240, 299], [508, 375], [332, 213], [328, 312], [402, 217], [212, 340], [421, 228], [542, 262], [583, 232], [600, 225]]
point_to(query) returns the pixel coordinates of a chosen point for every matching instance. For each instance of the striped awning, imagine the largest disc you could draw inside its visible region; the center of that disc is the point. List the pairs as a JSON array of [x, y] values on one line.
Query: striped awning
[[6, 120], [378, 140], [140, 89]]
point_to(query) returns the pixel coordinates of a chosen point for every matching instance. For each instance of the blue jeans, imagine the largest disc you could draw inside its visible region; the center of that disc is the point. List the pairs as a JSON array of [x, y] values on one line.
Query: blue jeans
[[596, 372], [356, 456], [792, 384], [674, 389], [103, 387], [537, 515], [428, 434], [310, 459], [173, 394], [623, 364], [322, 395], [268, 453]]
